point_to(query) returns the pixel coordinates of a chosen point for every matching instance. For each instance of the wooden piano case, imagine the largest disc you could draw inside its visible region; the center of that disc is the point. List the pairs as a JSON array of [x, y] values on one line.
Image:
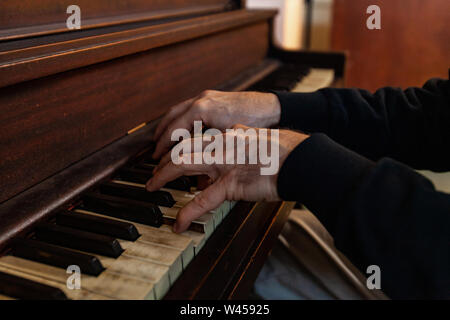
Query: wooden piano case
[[69, 98]]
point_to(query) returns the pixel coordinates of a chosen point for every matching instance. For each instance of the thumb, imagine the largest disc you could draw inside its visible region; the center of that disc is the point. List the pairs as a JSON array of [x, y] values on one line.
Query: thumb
[[206, 201]]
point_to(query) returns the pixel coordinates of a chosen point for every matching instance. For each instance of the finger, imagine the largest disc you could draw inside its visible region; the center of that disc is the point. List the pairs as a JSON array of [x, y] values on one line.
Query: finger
[[194, 145], [172, 171], [173, 113], [209, 199], [240, 126], [164, 160], [164, 142]]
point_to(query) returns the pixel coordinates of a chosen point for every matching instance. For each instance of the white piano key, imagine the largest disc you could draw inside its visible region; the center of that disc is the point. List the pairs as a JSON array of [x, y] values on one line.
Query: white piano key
[[206, 220], [182, 198], [110, 284], [158, 237], [316, 79], [171, 258], [73, 294], [157, 274], [198, 238]]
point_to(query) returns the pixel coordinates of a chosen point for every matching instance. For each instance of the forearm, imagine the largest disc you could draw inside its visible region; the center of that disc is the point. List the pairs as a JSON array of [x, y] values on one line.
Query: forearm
[[378, 213], [410, 126]]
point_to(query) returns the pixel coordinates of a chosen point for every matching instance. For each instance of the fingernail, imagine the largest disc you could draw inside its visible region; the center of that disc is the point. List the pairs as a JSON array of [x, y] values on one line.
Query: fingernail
[[148, 185], [175, 227]]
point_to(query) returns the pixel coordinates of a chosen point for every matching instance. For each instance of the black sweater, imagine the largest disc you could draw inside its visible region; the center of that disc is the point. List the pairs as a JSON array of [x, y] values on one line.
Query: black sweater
[[354, 174]]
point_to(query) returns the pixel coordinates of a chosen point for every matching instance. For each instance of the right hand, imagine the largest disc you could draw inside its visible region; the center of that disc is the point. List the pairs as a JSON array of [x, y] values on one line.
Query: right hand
[[220, 110], [230, 180]]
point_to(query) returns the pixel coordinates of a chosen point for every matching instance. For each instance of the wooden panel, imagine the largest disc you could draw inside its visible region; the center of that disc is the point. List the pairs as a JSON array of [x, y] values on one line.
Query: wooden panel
[[242, 284], [20, 14], [22, 211], [49, 123], [226, 261], [412, 46], [40, 57]]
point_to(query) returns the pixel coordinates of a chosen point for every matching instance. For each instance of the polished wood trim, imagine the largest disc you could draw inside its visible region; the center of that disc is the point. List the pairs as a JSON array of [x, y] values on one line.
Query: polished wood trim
[[21, 212], [50, 123], [30, 17], [245, 278], [211, 274], [58, 28], [250, 76], [40, 61]]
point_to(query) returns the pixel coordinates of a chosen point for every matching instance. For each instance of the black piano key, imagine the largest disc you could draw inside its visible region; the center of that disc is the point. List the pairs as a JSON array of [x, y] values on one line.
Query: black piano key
[[130, 210], [147, 157], [56, 256], [79, 240], [150, 160], [181, 184], [21, 288], [99, 225], [285, 78], [161, 198], [136, 175], [142, 173]]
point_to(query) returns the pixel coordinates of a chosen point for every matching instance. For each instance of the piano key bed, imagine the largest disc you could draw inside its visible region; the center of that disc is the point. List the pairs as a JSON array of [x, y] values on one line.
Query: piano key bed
[[120, 237]]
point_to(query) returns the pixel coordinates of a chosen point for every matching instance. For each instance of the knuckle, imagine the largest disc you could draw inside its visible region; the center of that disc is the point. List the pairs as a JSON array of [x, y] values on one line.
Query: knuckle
[[200, 105], [231, 176], [201, 202], [181, 217], [206, 93]]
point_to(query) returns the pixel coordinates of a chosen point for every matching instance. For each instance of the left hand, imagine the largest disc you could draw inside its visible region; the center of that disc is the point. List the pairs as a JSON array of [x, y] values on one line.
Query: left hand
[[229, 181]]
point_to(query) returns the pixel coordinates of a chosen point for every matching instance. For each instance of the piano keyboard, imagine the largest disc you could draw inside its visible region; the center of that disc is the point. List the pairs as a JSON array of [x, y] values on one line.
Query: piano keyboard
[[119, 234], [295, 78]]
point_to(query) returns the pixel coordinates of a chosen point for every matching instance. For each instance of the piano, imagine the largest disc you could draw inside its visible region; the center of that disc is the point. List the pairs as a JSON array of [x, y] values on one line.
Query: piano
[[78, 108]]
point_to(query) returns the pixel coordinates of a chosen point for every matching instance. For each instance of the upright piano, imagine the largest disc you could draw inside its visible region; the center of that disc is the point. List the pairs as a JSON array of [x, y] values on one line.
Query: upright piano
[[78, 108]]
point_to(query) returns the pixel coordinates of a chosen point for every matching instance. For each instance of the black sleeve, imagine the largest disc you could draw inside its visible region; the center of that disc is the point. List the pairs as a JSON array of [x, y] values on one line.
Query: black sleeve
[[379, 213], [412, 126]]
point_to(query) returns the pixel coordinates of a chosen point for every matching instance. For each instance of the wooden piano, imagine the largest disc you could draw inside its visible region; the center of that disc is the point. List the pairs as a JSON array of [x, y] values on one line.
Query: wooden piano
[[77, 112]]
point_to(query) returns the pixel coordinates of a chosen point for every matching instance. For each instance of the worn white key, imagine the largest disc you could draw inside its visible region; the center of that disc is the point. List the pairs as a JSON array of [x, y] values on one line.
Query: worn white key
[[2, 297], [141, 270], [198, 238], [171, 258], [181, 199], [206, 220], [157, 237], [73, 294], [110, 284]]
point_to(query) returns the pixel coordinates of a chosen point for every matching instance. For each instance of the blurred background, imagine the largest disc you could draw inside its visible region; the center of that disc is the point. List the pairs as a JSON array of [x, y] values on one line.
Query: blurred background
[[412, 46]]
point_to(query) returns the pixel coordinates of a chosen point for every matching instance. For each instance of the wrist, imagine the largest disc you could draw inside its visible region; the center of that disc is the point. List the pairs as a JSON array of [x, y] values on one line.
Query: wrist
[[273, 111]]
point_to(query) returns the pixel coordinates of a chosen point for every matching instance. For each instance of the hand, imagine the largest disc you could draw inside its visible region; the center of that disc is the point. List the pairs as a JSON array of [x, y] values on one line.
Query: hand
[[219, 110], [229, 181]]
